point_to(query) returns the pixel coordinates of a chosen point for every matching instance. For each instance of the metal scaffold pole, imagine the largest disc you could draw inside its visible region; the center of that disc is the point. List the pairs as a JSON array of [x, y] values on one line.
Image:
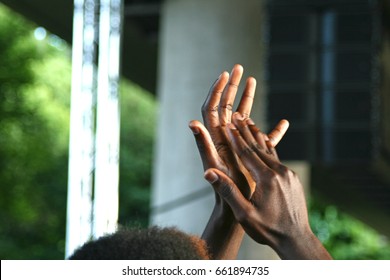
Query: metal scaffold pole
[[92, 208], [108, 120]]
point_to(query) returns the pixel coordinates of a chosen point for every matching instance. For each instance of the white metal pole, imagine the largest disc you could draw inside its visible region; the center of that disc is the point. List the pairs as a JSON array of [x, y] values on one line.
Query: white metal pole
[[81, 146], [105, 214]]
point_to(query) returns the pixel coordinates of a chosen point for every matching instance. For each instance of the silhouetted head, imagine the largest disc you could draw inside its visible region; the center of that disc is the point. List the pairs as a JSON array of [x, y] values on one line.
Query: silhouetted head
[[144, 244]]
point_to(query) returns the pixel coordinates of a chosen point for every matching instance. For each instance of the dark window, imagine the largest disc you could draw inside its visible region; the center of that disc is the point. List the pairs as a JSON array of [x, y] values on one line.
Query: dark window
[[320, 60]]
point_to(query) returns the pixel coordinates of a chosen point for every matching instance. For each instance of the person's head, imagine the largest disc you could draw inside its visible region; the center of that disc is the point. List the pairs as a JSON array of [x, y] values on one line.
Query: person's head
[[144, 244]]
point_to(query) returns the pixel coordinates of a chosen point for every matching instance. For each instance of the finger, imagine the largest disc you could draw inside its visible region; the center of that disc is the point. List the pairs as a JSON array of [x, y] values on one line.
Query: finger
[[246, 154], [228, 191], [246, 102], [229, 94], [243, 124], [206, 148], [268, 155], [277, 133], [260, 137], [211, 104]]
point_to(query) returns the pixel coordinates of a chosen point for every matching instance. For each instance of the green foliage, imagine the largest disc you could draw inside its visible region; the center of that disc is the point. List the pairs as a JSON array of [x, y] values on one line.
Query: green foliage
[[17, 49], [34, 127], [33, 149], [138, 119], [345, 237]]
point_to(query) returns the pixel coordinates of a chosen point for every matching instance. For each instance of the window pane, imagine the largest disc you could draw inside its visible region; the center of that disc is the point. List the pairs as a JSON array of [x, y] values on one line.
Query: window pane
[[353, 67], [289, 29], [291, 106], [352, 144], [353, 106], [326, 50], [294, 145], [288, 67], [354, 28]]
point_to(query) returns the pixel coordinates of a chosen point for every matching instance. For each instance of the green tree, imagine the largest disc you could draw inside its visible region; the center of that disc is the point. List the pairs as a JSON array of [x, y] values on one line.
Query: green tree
[[33, 148], [138, 122], [34, 125]]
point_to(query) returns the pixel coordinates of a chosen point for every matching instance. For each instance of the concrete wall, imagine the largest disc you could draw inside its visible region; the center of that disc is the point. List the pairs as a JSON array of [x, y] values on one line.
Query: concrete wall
[[198, 40]]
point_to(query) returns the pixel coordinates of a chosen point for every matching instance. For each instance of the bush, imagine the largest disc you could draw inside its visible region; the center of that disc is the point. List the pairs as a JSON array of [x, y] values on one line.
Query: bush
[[345, 237]]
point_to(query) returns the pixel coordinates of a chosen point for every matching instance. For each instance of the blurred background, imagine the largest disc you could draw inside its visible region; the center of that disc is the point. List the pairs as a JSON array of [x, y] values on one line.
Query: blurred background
[[323, 65]]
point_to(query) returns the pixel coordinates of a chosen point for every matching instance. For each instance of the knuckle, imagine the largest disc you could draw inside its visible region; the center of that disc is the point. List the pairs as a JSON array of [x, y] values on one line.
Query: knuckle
[[233, 85], [271, 178], [221, 148], [246, 151], [256, 146], [270, 175], [284, 170], [228, 107], [226, 190], [207, 109], [245, 115]]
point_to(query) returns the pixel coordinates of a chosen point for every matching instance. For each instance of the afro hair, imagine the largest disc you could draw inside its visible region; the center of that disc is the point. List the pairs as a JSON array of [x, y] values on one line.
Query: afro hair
[[154, 243]]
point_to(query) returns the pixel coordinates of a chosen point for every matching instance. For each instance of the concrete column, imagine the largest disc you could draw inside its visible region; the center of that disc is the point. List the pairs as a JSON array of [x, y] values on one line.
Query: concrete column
[[198, 40]]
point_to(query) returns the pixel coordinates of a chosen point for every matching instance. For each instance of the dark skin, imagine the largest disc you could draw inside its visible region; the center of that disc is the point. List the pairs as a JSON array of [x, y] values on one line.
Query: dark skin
[[223, 233], [276, 213]]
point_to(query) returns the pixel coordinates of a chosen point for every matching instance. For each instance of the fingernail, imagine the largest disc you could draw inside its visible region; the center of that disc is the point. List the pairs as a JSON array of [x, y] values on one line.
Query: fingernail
[[231, 126], [249, 121], [211, 176], [195, 130]]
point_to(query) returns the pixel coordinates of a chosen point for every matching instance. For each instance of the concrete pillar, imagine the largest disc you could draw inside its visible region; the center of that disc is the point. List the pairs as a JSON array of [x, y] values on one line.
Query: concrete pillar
[[198, 40]]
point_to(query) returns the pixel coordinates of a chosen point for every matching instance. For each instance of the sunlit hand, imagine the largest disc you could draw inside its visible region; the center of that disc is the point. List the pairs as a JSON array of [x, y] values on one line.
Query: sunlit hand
[[223, 233], [211, 138], [276, 213]]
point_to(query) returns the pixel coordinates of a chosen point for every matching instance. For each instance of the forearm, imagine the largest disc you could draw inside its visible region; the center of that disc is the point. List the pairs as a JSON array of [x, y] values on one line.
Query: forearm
[[223, 234]]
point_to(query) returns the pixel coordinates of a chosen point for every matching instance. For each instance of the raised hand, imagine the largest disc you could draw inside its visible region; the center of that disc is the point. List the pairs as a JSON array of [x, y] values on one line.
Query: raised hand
[[211, 137], [276, 213], [223, 234]]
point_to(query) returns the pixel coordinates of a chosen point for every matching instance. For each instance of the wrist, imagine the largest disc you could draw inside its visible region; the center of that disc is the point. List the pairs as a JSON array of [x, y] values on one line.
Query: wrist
[[223, 215], [222, 210], [223, 234], [302, 245]]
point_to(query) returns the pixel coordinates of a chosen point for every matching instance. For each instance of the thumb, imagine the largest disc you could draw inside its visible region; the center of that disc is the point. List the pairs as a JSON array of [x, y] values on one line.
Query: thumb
[[228, 191]]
